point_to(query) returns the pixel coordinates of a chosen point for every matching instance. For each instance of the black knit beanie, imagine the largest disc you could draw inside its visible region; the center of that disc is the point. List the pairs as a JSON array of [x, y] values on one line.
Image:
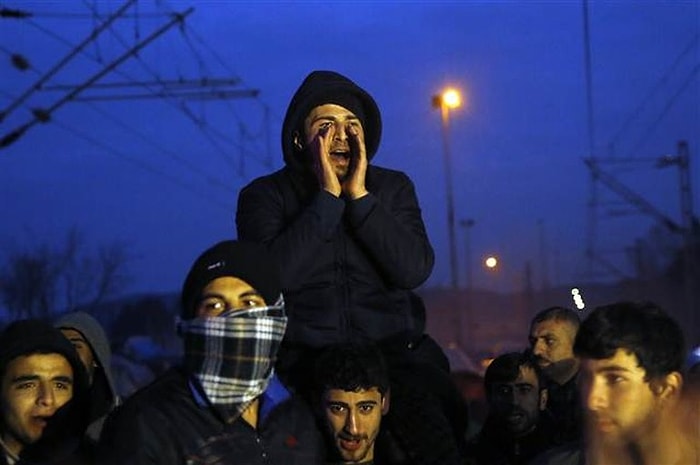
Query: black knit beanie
[[31, 336], [248, 261]]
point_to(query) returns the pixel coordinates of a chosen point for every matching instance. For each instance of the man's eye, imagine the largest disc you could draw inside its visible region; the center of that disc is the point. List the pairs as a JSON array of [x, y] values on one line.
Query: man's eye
[[252, 302], [213, 305], [503, 390], [61, 386], [25, 386], [614, 379], [336, 408], [366, 408]]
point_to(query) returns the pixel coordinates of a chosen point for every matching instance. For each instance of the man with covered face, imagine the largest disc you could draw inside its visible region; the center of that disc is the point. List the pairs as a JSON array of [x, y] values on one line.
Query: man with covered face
[[223, 405]]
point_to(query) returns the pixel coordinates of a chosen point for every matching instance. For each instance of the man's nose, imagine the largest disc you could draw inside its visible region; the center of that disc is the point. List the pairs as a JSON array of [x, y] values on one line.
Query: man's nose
[[539, 348], [46, 396], [593, 395], [340, 132], [351, 423]]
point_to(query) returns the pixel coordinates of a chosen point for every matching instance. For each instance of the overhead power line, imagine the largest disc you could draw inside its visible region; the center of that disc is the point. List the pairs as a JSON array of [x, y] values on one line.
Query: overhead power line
[[49, 74], [166, 83], [12, 136], [201, 95]]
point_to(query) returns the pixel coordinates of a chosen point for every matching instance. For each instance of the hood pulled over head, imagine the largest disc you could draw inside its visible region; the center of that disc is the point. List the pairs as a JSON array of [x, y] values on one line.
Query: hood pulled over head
[[320, 88]]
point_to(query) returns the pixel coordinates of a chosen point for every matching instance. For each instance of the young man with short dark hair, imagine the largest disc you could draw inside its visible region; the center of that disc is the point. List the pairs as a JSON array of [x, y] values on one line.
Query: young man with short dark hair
[[351, 394], [43, 397], [630, 382]]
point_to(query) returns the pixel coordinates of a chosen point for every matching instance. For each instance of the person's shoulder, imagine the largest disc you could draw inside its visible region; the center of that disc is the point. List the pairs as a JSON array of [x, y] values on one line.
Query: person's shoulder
[[171, 386], [384, 171], [268, 178], [381, 175]]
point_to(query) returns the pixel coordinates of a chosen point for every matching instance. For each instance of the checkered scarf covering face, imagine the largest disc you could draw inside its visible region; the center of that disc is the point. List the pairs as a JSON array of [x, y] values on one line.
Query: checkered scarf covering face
[[232, 355]]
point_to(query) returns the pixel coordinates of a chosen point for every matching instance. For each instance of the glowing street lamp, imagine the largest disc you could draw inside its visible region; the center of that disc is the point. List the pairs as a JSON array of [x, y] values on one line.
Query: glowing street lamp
[[450, 98], [491, 262]]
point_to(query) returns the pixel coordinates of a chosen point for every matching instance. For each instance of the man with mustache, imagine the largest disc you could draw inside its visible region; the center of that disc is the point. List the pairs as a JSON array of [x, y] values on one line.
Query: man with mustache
[[552, 334], [515, 429], [351, 395]]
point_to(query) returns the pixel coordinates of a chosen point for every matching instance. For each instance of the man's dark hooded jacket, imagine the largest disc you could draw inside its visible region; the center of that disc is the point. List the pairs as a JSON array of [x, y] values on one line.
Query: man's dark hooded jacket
[[347, 265]]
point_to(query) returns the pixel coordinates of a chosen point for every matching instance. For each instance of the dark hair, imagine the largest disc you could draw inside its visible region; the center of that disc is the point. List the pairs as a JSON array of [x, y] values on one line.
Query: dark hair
[[506, 368], [642, 328], [557, 313], [350, 367]]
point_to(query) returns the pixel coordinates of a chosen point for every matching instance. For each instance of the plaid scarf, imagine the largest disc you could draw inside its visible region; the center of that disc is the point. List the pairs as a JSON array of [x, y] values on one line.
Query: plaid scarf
[[232, 355]]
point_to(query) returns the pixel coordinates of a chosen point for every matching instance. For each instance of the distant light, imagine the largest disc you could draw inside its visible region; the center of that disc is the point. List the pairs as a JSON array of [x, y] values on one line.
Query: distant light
[[491, 262], [451, 98], [578, 298]]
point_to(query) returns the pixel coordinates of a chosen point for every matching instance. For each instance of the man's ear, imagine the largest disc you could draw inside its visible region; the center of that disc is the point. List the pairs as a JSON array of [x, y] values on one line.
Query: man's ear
[[668, 386], [296, 140], [386, 400], [544, 396]]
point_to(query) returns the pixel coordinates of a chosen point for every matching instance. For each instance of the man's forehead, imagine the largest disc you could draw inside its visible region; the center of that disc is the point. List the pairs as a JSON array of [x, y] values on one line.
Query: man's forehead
[[526, 375], [330, 110], [622, 360], [551, 326], [73, 334], [38, 363], [356, 396]]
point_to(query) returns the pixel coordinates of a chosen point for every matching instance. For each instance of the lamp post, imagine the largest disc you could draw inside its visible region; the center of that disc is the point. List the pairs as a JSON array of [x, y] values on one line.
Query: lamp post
[[448, 99], [467, 224], [465, 322]]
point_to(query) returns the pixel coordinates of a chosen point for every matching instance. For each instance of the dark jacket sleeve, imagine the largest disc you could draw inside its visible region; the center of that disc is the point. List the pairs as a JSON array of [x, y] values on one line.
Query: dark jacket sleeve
[[261, 217], [390, 228], [128, 440]]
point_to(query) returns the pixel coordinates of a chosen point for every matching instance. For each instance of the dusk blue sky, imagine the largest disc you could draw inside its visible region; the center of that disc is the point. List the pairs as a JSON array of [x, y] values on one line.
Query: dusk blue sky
[[165, 180]]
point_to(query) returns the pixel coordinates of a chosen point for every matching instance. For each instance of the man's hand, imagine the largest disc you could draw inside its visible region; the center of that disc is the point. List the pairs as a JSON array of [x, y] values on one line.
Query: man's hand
[[320, 151], [354, 184]]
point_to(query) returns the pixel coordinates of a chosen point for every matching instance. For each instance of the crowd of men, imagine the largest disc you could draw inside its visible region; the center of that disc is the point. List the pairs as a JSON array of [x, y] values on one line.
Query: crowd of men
[[304, 343]]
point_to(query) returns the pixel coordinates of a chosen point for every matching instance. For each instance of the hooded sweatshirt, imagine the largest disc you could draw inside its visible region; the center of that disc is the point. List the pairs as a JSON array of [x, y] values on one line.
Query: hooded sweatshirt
[[347, 266], [103, 394]]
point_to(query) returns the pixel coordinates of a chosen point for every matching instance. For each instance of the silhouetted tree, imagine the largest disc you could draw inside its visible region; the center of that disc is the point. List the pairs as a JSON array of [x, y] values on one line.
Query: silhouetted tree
[[41, 281]]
